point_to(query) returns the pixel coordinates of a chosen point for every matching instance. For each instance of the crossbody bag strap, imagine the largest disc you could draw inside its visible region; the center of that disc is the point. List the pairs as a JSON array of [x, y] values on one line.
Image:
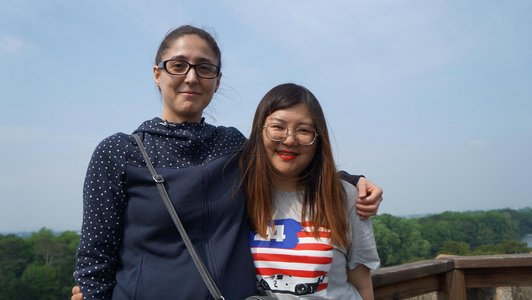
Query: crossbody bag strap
[[159, 180]]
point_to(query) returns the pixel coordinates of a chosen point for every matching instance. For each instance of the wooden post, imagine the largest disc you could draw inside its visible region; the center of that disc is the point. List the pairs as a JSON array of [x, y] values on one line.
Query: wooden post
[[455, 288]]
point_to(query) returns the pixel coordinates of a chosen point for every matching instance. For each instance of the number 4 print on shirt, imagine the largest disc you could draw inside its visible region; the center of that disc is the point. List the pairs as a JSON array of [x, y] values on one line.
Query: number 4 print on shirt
[[283, 235], [277, 233]]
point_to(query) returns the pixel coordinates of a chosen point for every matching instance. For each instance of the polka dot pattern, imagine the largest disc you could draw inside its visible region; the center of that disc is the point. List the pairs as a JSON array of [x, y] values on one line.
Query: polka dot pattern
[[104, 193]]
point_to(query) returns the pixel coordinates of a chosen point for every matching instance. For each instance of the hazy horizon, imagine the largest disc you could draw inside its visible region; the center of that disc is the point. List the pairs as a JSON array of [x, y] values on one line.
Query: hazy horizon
[[420, 215]]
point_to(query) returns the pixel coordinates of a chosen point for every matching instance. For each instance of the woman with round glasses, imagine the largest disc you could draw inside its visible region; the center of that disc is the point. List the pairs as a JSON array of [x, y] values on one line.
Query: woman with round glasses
[[129, 247], [308, 241]]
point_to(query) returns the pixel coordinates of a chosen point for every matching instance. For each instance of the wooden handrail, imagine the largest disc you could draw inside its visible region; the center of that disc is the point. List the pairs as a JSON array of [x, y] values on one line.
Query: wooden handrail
[[450, 276]]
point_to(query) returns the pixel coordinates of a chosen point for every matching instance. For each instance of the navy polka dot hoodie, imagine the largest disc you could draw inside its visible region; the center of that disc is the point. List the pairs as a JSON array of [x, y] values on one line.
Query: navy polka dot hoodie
[[130, 249]]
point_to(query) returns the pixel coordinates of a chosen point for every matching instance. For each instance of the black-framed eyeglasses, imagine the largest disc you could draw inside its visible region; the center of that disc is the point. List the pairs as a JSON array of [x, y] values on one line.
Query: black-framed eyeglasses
[[279, 132], [181, 68]]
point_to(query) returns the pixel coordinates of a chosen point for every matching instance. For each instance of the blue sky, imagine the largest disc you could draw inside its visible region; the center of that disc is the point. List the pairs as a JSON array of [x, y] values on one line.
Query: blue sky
[[432, 100]]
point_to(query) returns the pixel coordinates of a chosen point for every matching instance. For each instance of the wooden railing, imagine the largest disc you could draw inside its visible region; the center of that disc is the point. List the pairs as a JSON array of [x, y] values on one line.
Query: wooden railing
[[449, 277]]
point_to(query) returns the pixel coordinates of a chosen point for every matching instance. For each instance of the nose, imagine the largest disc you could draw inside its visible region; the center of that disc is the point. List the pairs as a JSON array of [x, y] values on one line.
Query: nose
[[290, 139], [191, 76]]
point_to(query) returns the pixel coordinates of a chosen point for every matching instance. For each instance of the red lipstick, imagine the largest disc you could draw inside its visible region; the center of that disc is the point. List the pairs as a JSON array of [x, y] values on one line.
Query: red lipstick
[[286, 155]]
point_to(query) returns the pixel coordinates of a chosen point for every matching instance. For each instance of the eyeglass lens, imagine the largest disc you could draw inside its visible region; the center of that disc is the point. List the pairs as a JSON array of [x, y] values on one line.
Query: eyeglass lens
[[180, 67], [278, 133]]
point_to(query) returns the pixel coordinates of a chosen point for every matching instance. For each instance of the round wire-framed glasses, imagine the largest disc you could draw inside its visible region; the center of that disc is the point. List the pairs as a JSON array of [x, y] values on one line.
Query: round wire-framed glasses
[[302, 135]]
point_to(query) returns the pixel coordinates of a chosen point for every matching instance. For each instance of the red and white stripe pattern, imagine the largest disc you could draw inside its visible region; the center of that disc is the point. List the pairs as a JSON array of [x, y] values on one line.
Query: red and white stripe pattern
[[306, 262]]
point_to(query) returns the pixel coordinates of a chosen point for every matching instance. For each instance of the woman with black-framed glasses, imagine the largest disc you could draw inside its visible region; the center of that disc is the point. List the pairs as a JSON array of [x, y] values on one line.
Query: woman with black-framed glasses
[[129, 248]]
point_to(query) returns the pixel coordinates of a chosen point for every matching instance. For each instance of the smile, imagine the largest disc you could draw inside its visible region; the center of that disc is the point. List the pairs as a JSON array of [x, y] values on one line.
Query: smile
[[191, 93], [286, 155]]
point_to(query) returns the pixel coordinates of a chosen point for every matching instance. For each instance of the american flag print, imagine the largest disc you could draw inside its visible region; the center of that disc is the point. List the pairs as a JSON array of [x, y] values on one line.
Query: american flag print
[[290, 259]]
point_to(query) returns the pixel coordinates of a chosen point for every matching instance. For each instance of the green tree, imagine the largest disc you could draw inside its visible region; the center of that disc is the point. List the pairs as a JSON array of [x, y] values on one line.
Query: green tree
[[399, 240], [15, 254], [493, 227], [504, 247], [46, 249], [523, 217], [436, 231], [472, 228], [387, 243], [455, 248], [66, 264], [42, 282], [38, 267]]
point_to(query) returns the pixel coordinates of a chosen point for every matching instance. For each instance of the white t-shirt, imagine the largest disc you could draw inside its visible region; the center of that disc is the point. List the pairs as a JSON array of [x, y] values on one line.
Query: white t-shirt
[[292, 264]]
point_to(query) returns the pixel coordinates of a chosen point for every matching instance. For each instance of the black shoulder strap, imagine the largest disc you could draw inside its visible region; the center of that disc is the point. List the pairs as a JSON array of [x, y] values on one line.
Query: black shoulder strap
[[159, 180]]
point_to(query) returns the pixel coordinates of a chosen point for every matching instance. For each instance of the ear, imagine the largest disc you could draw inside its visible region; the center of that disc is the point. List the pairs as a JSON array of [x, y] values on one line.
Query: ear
[[156, 74], [218, 79]]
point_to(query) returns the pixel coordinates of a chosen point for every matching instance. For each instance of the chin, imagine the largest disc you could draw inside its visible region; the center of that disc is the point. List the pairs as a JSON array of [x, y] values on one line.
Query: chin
[[288, 174]]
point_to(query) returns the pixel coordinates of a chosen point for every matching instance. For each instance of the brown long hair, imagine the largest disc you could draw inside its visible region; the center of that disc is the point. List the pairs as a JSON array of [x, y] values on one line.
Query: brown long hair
[[324, 197]]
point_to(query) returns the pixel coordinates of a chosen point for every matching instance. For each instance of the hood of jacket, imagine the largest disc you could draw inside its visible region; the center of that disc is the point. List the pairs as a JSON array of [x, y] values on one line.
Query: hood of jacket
[[185, 144]]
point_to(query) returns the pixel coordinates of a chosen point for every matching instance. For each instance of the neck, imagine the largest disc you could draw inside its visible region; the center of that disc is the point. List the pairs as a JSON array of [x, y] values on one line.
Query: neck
[[173, 118], [285, 184], [182, 120]]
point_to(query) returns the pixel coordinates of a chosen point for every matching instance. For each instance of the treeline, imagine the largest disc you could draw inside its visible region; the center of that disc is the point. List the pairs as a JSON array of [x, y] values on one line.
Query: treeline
[[40, 266], [37, 267], [403, 240]]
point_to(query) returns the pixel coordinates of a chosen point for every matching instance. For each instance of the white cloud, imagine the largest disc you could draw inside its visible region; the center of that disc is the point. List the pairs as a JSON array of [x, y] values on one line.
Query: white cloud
[[14, 45]]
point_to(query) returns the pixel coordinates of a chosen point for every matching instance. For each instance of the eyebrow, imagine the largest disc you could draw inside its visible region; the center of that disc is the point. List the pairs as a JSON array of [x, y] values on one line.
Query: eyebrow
[[198, 60], [298, 124]]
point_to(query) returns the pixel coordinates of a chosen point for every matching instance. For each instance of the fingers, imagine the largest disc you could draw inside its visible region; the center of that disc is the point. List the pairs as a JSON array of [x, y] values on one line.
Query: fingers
[[367, 210], [76, 293], [369, 206], [77, 297], [76, 290], [369, 198], [362, 187], [373, 193]]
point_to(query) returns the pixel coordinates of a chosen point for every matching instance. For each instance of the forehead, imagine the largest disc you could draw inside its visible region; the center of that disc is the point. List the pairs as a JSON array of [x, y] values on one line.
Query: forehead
[[191, 48], [294, 114]]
